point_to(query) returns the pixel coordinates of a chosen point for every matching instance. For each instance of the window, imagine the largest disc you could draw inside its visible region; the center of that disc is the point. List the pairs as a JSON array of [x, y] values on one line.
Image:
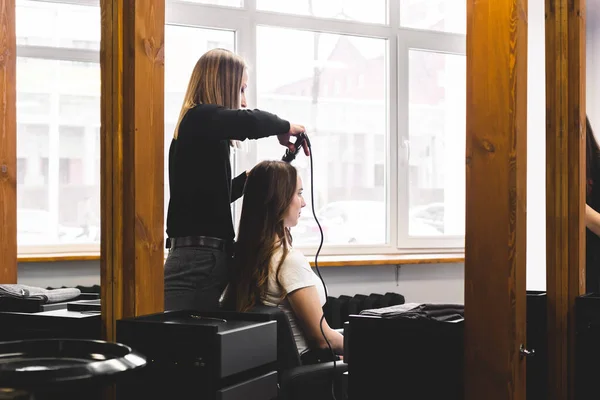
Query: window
[[72, 169], [58, 120], [336, 137], [226, 3], [54, 24], [435, 15], [436, 139], [379, 175], [32, 104], [21, 170], [380, 86], [32, 186], [593, 61], [373, 11]]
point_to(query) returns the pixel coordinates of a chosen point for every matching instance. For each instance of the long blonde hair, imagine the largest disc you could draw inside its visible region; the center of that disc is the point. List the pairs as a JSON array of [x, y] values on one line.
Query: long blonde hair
[[216, 79]]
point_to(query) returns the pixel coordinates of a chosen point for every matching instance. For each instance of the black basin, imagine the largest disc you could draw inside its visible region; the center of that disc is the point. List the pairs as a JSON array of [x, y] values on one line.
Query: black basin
[[54, 365]]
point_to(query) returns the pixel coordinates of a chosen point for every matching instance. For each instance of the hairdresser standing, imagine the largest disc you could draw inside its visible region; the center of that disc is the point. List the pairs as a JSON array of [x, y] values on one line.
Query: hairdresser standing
[[199, 222]]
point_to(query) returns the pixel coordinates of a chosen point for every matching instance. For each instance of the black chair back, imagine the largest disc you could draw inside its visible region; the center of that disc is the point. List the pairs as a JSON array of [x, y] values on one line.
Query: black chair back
[[287, 351]]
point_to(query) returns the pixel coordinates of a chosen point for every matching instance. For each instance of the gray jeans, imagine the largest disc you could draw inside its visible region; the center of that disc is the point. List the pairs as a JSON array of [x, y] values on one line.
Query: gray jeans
[[195, 277]]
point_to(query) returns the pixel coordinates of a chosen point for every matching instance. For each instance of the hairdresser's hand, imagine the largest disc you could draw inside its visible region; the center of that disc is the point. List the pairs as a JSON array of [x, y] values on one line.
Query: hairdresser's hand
[[295, 130]]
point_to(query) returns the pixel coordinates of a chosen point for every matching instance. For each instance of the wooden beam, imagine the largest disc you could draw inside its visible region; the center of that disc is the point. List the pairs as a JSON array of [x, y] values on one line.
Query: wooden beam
[[495, 241], [8, 143], [565, 185], [132, 112]]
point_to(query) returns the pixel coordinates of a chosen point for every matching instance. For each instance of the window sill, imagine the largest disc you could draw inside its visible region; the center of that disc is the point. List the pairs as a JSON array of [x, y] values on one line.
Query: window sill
[[57, 257], [323, 261], [387, 259]]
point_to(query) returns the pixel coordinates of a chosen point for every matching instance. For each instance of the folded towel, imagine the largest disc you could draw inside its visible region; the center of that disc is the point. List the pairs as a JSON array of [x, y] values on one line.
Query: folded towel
[[437, 312], [391, 311], [32, 292]]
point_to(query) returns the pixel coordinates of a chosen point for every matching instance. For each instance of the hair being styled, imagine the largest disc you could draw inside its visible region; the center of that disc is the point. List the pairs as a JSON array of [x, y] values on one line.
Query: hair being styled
[[268, 193], [216, 79]]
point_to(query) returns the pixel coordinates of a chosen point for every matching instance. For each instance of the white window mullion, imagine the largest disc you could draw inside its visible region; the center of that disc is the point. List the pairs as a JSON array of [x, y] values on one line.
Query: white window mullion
[[204, 16], [434, 41], [335, 26], [402, 145], [75, 2], [58, 53], [392, 164]]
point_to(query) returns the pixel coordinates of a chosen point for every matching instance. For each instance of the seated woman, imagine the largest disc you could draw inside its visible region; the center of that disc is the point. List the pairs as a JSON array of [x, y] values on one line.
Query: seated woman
[[267, 269]]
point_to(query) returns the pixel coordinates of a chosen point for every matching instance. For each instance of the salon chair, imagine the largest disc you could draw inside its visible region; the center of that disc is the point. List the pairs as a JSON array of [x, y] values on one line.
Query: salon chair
[[298, 381]]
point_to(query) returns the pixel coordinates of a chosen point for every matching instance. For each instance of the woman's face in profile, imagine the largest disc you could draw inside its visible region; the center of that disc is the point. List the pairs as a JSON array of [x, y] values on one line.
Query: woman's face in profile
[[295, 207], [243, 103]]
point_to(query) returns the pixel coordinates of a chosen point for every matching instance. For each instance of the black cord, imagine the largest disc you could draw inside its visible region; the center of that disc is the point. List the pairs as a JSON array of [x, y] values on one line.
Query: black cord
[[312, 202]]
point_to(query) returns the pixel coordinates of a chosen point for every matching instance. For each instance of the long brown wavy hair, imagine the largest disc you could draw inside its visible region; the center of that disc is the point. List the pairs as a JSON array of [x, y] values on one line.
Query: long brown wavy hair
[[270, 188], [216, 79]]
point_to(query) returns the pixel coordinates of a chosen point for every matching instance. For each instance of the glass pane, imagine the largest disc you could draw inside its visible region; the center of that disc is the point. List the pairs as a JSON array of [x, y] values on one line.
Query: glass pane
[[41, 23], [226, 3], [434, 15], [337, 89], [593, 65], [373, 11], [58, 152], [437, 117], [179, 63]]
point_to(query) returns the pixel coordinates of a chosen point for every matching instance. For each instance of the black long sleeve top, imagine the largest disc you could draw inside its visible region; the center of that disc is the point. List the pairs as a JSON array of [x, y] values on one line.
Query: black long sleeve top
[[200, 184]]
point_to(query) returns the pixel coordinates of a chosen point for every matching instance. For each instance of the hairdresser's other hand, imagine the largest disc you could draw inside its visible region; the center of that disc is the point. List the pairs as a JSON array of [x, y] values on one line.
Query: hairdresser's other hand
[[295, 130]]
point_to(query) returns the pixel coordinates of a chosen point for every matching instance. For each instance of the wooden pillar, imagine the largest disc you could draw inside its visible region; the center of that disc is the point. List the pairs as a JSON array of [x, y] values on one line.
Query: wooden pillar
[[132, 112], [495, 290], [565, 185], [8, 143]]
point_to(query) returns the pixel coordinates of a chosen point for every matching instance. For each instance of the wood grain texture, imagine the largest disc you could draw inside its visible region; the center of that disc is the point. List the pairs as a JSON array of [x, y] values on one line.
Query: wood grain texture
[[8, 143], [144, 122], [495, 240], [132, 104], [565, 185], [110, 132]]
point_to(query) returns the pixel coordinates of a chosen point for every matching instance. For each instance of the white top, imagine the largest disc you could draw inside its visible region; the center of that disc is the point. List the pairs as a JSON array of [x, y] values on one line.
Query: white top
[[295, 274]]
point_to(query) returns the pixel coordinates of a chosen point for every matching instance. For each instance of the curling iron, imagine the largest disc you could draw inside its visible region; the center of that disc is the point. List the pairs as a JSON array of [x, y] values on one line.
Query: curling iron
[[289, 155]]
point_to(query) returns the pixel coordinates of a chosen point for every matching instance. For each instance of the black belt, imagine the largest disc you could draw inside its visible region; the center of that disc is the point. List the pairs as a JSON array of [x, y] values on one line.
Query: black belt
[[200, 241]]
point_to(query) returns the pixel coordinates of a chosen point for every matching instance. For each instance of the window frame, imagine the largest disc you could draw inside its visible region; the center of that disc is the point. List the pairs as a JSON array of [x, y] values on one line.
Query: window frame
[[243, 21], [428, 41], [58, 54]]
